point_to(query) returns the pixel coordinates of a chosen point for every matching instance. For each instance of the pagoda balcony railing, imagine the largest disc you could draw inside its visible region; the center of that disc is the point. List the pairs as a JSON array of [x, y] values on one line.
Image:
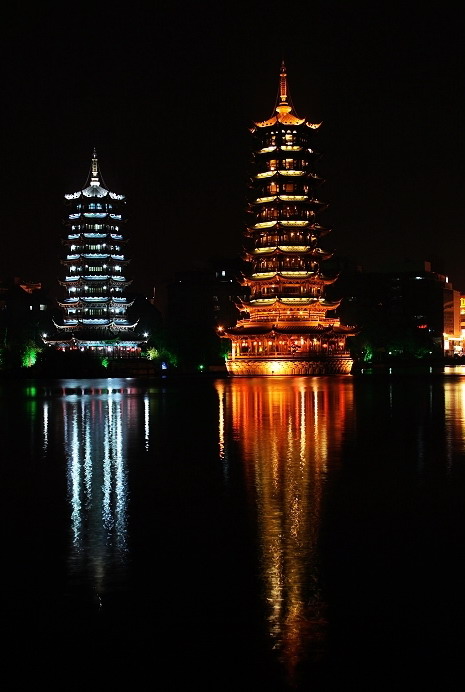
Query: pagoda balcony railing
[[96, 321], [96, 299], [96, 255], [321, 354], [282, 243]]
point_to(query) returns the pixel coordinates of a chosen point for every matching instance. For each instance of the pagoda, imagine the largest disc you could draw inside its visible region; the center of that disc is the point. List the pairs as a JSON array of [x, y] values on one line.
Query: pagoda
[[94, 307], [286, 325]]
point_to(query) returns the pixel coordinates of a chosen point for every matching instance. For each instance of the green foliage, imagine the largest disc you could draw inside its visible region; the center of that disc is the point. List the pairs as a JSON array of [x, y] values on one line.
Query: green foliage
[[29, 354], [152, 353]]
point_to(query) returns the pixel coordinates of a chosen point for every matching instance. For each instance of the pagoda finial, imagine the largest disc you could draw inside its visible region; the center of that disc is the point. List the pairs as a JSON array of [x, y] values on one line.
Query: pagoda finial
[[283, 105], [283, 84], [95, 176]]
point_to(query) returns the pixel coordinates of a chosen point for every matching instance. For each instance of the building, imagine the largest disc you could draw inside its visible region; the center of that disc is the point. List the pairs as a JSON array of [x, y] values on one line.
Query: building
[[24, 314], [404, 310], [94, 309], [286, 325]]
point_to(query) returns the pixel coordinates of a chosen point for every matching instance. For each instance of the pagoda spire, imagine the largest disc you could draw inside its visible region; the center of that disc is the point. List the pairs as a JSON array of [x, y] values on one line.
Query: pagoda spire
[[94, 180], [284, 105], [283, 84], [284, 112]]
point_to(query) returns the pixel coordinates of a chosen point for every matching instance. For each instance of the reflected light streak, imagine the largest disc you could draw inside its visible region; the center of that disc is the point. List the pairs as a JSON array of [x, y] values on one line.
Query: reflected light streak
[[45, 427], [74, 474], [95, 437], [287, 429], [222, 450], [146, 421]]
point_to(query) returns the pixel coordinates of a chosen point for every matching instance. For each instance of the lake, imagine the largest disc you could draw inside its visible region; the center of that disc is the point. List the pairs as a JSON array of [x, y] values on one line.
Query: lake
[[249, 533]]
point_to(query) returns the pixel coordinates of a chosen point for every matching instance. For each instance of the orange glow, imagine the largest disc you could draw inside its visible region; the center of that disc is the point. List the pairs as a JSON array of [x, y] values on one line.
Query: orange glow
[[287, 430]]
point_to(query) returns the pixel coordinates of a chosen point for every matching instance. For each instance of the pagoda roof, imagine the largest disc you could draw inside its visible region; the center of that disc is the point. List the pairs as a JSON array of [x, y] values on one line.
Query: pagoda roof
[[296, 303], [316, 330], [286, 249], [114, 325], [289, 226], [90, 339], [94, 186], [286, 277], [284, 111], [94, 301]]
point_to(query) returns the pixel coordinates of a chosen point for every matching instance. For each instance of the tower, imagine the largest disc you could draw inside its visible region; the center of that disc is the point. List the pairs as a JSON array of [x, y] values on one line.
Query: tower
[[287, 327], [94, 307]]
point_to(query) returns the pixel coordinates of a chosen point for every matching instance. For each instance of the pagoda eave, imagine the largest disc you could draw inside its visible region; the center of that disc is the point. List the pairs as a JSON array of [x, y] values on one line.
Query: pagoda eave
[[270, 329]]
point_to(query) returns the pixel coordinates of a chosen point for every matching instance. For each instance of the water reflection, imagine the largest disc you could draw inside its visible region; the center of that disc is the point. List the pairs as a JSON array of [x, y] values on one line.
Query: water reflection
[[153, 508], [96, 420], [288, 431]]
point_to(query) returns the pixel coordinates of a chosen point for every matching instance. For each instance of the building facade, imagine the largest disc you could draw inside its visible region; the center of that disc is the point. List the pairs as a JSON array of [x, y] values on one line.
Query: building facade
[[94, 308], [286, 327]]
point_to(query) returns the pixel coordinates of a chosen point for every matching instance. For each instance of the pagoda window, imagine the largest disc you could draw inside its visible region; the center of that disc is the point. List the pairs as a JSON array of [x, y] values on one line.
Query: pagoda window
[[288, 164], [272, 164], [269, 213], [289, 138], [289, 187], [95, 205], [290, 210], [272, 188]]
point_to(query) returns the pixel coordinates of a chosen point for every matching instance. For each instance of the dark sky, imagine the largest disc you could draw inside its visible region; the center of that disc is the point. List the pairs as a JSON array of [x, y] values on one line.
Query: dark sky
[[166, 93]]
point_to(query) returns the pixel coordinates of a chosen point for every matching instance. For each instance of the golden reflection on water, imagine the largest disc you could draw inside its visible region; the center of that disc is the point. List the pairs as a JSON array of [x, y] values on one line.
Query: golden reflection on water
[[454, 409], [287, 429]]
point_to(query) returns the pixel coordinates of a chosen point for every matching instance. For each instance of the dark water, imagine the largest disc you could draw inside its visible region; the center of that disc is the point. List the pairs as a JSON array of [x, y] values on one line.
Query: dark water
[[246, 534]]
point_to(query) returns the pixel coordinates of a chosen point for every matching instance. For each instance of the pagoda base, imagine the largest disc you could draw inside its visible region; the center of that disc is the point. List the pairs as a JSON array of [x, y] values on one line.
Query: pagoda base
[[330, 365]]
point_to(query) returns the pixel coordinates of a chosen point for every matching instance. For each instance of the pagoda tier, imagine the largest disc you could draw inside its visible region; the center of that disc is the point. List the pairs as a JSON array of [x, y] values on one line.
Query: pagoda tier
[[91, 282], [75, 239], [113, 325], [94, 306], [286, 326], [84, 302]]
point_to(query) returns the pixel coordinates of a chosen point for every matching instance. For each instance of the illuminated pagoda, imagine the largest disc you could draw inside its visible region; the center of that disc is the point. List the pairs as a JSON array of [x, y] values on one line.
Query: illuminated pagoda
[[286, 326], [94, 308]]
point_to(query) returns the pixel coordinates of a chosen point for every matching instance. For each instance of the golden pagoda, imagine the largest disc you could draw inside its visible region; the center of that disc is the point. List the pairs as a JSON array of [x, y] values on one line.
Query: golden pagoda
[[284, 326]]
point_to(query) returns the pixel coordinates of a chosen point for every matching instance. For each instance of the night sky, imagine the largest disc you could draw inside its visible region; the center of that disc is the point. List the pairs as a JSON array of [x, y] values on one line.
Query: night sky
[[166, 94]]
